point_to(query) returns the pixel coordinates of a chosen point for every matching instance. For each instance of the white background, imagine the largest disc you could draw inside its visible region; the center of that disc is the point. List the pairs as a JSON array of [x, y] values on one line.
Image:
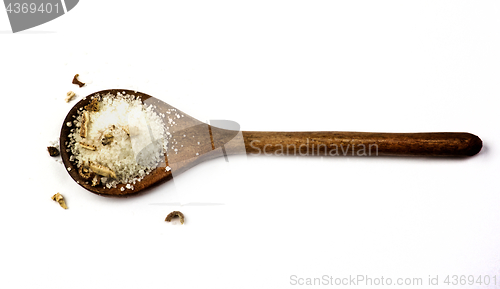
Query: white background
[[387, 66]]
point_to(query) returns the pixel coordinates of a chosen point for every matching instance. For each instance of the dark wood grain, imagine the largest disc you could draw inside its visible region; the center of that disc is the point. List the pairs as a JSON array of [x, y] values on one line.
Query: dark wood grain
[[202, 142], [326, 143]]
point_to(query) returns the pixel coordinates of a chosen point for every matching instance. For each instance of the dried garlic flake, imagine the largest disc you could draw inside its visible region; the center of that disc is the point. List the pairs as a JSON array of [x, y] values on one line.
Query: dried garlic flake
[[175, 214], [102, 170], [60, 199], [53, 151], [107, 139], [76, 81], [93, 105], [69, 96], [85, 120], [87, 146]]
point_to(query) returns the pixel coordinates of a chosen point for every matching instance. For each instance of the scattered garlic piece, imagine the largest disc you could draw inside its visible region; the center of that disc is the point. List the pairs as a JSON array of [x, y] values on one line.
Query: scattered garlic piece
[[60, 199], [84, 127], [87, 146], [102, 170], [69, 96]]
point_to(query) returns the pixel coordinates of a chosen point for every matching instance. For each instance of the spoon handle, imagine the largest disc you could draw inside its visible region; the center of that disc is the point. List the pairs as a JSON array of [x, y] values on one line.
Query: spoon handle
[[450, 144]]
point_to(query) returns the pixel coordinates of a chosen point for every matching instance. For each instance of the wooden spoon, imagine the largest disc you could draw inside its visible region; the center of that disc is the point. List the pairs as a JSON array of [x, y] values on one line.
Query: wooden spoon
[[201, 142]]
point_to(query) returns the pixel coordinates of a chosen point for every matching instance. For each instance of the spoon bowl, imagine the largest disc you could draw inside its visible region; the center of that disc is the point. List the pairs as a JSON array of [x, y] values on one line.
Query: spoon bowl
[[196, 142], [193, 138]]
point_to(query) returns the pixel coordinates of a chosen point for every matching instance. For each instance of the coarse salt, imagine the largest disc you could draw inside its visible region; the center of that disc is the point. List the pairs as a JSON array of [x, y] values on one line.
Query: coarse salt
[[129, 156]]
